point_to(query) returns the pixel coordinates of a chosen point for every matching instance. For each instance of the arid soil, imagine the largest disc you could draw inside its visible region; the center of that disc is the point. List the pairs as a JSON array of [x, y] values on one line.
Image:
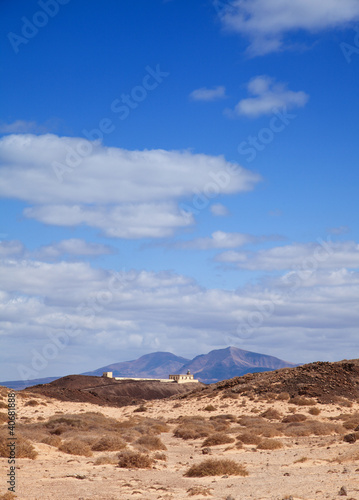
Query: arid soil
[[291, 445], [105, 391]]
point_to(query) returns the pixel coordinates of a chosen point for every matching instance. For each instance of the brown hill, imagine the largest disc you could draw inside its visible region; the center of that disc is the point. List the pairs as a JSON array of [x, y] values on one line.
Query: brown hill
[[325, 381], [107, 392]]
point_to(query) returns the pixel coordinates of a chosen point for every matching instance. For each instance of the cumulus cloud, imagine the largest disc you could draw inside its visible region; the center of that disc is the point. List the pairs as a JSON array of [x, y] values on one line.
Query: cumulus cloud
[[268, 23], [125, 193], [204, 94], [220, 239], [308, 256], [268, 96], [108, 312], [73, 247]]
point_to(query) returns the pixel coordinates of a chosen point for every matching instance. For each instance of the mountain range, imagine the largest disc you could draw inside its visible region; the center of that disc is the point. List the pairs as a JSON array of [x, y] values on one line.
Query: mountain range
[[217, 365]]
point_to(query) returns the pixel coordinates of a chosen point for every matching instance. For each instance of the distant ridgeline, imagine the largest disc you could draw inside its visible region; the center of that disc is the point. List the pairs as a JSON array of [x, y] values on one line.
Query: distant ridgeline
[[178, 379]]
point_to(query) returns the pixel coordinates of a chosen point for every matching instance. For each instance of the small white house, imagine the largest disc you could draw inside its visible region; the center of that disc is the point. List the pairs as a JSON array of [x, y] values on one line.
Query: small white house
[[182, 379]]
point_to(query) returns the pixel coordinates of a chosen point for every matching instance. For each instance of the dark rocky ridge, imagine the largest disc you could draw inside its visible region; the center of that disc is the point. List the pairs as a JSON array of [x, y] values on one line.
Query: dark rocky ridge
[[325, 381], [108, 392]]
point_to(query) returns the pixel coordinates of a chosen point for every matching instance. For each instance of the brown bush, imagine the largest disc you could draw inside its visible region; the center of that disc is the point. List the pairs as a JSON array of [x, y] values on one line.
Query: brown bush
[[32, 402], [193, 428], [283, 396], [212, 467], [271, 414], [160, 456], [270, 444], [227, 417], [109, 443], [3, 418], [76, 447], [24, 448], [8, 496], [351, 421], [302, 401], [210, 408], [105, 460], [314, 411], [134, 460], [3, 405], [249, 438], [296, 417], [217, 439], [151, 443], [312, 427], [141, 408], [52, 441], [199, 490]]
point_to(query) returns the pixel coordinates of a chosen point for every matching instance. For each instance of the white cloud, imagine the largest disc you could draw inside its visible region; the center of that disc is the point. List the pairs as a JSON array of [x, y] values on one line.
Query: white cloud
[[204, 94], [11, 248], [306, 256], [219, 210], [73, 247], [220, 239], [266, 23], [130, 221], [268, 96], [137, 311], [125, 193]]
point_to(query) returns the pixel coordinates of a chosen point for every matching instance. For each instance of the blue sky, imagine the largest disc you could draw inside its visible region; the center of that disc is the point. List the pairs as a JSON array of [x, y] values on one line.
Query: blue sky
[[217, 208]]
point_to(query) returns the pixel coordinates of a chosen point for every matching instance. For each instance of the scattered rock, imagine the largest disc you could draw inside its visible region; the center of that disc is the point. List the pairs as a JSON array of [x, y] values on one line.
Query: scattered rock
[[206, 451], [343, 492]]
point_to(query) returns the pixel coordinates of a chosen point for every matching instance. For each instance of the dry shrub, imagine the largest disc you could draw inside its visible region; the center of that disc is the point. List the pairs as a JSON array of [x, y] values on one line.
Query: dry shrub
[[270, 444], [177, 405], [312, 427], [213, 467], [32, 402], [3, 405], [9, 495], [296, 417], [251, 421], [141, 408], [351, 421], [227, 417], [270, 431], [283, 396], [193, 428], [302, 401], [199, 490], [109, 443], [249, 438], [271, 414], [3, 418], [24, 448], [230, 395], [217, 439], [314, 411], [76, 447], [160, 456], [134, 460], [210, 408], [300, 460], [105, 460], [270, 396], [52, 441], [151, 443]]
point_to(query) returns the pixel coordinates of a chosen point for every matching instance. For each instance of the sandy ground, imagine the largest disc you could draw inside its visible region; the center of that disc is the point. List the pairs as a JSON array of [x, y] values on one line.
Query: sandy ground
[[274, 475]]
